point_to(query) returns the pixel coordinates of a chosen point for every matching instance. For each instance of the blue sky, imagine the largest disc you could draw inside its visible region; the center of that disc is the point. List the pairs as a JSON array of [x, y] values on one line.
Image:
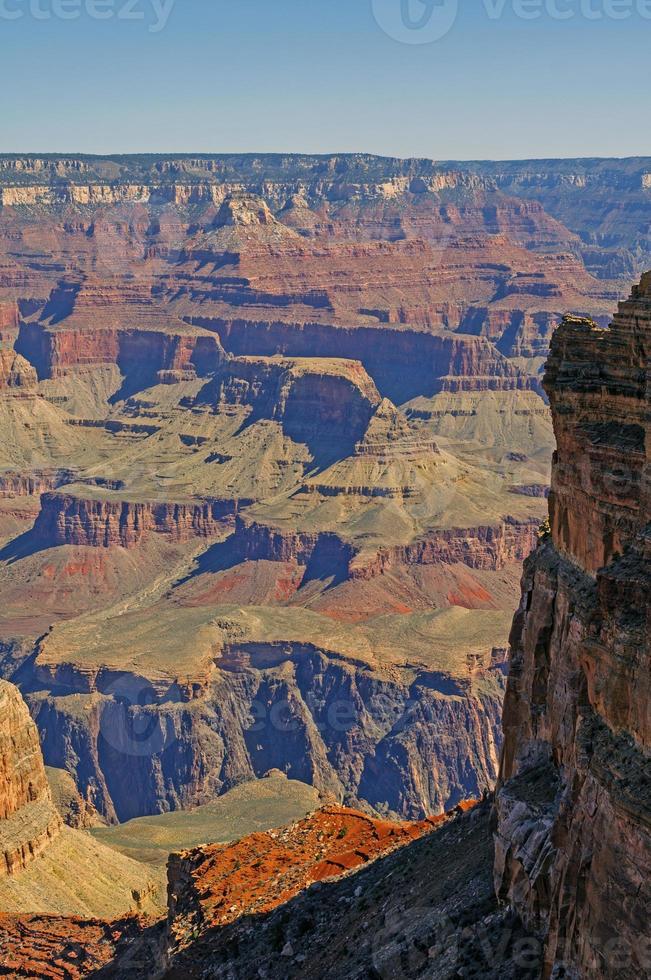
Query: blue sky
[[324, 76]]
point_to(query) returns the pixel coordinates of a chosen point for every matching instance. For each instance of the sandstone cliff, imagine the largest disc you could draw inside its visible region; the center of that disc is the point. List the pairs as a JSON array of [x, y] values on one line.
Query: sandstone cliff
[[28, 820], [16, 372], [105, 521], [46, 867], [573, 839]]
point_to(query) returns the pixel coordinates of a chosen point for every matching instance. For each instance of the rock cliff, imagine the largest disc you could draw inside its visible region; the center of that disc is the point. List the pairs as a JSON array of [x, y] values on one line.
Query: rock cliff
[[138, 746], [46, 867], [15, 372], [28, 819], [106, 521], [573, 845]]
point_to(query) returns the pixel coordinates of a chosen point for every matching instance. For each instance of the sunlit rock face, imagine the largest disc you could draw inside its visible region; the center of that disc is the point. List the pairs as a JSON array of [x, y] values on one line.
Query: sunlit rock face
[[574, 803], [28, 820]]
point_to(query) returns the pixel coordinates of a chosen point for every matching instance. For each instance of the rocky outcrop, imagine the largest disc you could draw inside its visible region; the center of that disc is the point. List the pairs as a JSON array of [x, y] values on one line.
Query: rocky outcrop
[[402, 362], [74, 810], [69, 517], [140, 353], [33, 483], [597, 381], [573, 844], [326, 404], [74, 875], [516, 333], [45, 947], [29, 195], [16, 374], [489, 547], [8, 322], [214, 886], [260, 542], [28, 819], [394, 917]]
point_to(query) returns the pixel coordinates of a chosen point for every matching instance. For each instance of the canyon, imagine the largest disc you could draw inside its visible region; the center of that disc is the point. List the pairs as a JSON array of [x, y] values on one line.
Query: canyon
[[273, 450], [560, 887], [277, 437]]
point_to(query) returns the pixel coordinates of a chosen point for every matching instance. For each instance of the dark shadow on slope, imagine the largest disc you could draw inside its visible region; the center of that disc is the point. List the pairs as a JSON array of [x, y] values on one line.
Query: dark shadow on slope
[[23, 546], [328, 560], [426, 911], [134, 379], [218, 557]]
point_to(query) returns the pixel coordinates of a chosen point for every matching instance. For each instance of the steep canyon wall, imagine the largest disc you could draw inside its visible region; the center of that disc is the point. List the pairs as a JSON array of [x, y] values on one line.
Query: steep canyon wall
[[574, 802]]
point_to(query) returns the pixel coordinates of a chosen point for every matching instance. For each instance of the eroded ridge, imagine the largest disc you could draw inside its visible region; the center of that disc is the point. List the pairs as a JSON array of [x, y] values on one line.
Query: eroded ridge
[[574, 805]]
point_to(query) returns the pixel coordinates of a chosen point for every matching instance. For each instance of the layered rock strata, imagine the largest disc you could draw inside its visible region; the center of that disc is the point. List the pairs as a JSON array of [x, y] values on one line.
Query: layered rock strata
[[75, 519], [488, 547], [363, 735], [28, 819], [573, 838], [167, 349], [16, 374]]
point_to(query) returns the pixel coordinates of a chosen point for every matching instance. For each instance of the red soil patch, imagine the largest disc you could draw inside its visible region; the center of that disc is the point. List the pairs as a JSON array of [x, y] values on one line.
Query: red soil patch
[[260, 872], [55, 948], [251, 583], [288, 585], [91, 565], [470, 597]]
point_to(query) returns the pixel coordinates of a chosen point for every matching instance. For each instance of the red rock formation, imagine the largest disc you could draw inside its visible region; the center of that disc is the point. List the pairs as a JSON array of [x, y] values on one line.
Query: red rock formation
[[51, 948], [574, 807], [598, 487], [319, 402], [30, 484], [56, 351], [28, 820], [489, 547], [102, 522], [403, 362], [8, 322]]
